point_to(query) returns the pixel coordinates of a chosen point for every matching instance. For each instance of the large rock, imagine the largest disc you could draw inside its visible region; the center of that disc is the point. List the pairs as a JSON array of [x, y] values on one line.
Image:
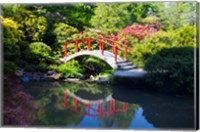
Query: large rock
[[72, 80], [57, 76]]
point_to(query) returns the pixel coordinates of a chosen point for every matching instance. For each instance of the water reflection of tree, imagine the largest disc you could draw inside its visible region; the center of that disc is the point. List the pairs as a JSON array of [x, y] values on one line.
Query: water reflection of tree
[[53, 116], [51, 111], [89, 87], [93, 91]]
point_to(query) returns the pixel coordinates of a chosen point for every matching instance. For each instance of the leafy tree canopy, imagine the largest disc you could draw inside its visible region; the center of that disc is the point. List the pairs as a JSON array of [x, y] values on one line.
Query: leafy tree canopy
[[174, 15], [113, 17]]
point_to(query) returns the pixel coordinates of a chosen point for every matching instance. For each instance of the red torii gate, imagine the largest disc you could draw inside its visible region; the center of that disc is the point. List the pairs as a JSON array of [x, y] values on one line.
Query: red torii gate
[[100, 112], [102, 41]]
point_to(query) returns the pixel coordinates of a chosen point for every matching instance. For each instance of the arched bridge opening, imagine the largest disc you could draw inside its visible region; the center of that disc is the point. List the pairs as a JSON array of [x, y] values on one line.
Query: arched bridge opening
[[106, 57]]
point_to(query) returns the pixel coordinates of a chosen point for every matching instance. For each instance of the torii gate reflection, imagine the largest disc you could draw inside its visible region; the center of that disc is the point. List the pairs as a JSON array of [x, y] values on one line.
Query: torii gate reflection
[[105, 107]]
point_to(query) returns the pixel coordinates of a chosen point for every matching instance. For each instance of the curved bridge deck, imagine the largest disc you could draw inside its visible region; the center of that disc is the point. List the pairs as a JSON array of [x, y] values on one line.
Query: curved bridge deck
[[122, 68], [107, 57]]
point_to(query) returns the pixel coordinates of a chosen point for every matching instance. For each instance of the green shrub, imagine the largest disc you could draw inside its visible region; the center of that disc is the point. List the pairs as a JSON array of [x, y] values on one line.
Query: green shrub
[[42, 67], [64, 32], [11, 36], [161, 37], [142, 52], [37, 52], [185, 36], [30, 67], [106, 74], [20, 63], [97, 65], [69, 69], [11, 33], [35, 27], [11, 52], [9, 67], [172, 69], [153, 21], [92, 33], [127, 38], [32, 26]]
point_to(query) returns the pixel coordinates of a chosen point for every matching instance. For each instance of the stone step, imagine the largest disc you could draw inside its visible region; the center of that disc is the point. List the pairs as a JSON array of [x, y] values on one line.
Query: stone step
[[120, 62], [130, 73], [128, 67], [125, 64]]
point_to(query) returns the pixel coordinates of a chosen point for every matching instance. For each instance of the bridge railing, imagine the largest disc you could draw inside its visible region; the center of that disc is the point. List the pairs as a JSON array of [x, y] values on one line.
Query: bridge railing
[[126, 48], [115, 46]]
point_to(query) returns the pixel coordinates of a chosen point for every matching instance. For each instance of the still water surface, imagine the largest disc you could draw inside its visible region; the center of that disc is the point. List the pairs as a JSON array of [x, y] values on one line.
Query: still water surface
[[88, 105]]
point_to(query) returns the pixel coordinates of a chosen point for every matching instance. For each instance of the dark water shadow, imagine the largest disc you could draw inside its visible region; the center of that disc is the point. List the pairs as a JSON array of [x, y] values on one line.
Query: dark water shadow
[[161, 110]]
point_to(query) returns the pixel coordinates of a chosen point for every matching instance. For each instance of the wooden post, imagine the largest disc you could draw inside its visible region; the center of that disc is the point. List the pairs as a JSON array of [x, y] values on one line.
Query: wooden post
[[102, 48], [125, 54], [116, 48], [113, 47], [76, 46], [89, 44]]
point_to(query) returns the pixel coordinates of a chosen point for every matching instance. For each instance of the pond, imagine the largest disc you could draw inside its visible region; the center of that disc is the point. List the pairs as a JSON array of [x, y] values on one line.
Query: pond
[[90, 105]]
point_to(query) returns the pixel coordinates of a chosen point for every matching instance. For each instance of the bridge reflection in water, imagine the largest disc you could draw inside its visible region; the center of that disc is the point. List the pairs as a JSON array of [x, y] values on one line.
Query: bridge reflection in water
[[102, 107]]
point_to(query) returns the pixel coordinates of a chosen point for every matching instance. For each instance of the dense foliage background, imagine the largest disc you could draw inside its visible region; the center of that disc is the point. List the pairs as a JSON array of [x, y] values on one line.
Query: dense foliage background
[[163, 36]]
